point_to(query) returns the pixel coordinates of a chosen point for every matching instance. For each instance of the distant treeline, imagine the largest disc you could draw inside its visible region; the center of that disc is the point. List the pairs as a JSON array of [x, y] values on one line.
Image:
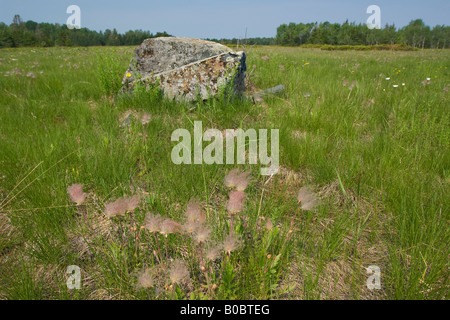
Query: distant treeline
[[416, 34], [33, 34], [249, 41]]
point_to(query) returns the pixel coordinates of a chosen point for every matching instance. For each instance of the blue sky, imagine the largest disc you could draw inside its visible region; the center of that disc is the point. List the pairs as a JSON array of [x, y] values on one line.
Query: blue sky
[[217, 19]]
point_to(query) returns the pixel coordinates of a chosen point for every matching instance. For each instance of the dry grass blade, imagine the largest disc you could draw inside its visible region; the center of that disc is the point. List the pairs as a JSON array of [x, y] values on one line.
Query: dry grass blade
[[51, 167]]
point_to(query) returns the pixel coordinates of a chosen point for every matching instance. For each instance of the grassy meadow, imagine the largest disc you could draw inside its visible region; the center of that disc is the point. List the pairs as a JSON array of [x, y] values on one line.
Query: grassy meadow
[[366, 132]]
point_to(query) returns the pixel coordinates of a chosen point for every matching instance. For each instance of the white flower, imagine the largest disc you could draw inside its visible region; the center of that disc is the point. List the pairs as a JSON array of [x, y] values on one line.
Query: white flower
[[428, 79], [388, 78], [395, 85], [403, 84]]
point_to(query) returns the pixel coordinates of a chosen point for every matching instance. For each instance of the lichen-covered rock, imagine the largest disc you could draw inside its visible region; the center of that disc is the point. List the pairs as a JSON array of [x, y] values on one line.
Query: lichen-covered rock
[[186, 68]]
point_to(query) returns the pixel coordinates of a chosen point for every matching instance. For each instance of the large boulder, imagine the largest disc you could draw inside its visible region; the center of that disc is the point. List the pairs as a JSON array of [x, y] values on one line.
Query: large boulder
[[186, 68]]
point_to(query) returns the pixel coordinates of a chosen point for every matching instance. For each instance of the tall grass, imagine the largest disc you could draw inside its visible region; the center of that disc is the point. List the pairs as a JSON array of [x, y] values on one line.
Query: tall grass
[[376, 156]]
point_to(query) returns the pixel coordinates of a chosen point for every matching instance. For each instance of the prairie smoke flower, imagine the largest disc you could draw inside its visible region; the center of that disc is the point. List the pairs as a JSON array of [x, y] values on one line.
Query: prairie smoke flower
[[116, 208], [213, 253], [352, 85], [153, 222], [132, 202], [307, 198], [202, 234], [231, 177], [243, 181], [190, 227], [169, 226], [236, 202], [121, 206], [146, 279], [76, 194], [269, 224], [194, 211], [145, 118], [178, 272], [236, 179], [231, 243]]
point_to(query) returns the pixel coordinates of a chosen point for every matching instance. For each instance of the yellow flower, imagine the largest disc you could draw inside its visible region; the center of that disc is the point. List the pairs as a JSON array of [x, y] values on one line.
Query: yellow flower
[[128, 75], [306, 63]]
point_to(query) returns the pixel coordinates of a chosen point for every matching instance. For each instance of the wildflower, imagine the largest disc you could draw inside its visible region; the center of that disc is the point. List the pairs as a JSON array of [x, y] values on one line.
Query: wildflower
[[446, 89], [153, 222], [265, 58], [231, 243], [116, 208], [190, 227], [281, 67], [306, 63], [178, 272], [307, 95], [344, 83], [388, 78], [428, 79], [76, 194], [128, 75], [352, 85], [403, 84], [169, 226], [395, 85], [145, 118], [146, 279], [31, 75], [202, 234], [231, 178], [236, 202], [132, 203], [236, 179], [213, 252], [307, 198], [121, 206], [269, 224], [194, 211]]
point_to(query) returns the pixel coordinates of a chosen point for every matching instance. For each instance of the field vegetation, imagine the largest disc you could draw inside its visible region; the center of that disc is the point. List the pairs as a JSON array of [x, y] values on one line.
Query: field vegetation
[[86, 179]]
